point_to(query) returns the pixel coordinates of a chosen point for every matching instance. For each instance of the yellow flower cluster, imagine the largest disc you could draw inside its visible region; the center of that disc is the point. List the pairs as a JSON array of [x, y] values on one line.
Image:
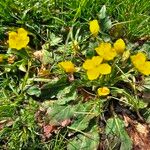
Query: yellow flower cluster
[[68, 66], [109, 52], [140, 63], [106, 51], [95, 67], [19, 39]]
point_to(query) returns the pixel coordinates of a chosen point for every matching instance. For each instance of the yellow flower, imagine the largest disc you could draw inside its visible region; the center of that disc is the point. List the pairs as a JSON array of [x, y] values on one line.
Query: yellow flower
[[140, 63], [92, 63], [94, 27], [19, 39], [138, 60], [145, 69], [95, 68], [106, 51], [103, 91], [119, 46], [68, 66]]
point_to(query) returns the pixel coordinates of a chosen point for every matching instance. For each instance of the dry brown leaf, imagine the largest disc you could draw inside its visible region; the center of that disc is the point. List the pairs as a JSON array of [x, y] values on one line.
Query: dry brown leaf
[[65, 122], [139, 133], [38, 55], [48, 130]]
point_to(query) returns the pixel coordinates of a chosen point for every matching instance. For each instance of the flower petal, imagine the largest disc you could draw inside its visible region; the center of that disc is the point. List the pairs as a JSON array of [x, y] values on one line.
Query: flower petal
[[93, 74], [138, 60], [88, 64], [68, 66], [145, 69], [97, 60], [104, 69], [106, 51], [22, 32], [94, 27], [119, 46]]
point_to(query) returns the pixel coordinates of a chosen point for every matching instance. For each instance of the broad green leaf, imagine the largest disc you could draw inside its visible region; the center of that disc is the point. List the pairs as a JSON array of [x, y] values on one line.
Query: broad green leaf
[[57, 113], [116, 127], [52, 88], [67, 94], [34, 90], [84, 113], [87, 141]]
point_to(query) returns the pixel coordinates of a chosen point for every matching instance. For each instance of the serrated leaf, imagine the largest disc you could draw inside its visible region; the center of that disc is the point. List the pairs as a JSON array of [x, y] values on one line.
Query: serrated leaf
[[116, 127], [90, 141], [55, 40]]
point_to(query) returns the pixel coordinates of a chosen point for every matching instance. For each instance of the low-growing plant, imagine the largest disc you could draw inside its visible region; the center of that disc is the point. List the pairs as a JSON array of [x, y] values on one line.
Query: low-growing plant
[[78, 84]]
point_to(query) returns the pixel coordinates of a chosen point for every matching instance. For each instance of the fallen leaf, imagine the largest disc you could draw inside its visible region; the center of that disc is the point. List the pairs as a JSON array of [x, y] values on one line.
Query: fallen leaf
[[139, 133], [48, 129], [66, 122]]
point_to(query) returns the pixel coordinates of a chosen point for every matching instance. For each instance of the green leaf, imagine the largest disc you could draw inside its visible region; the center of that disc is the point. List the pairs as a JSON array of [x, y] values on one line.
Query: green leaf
[[87, 141], [84, 113], [146, 113], [107, 24], [102, 13], [116, 127], [22, 67], [66, 95], [90, 53], [34, 90], [57, 113], [55, 40], [52, 88], [146, 84]]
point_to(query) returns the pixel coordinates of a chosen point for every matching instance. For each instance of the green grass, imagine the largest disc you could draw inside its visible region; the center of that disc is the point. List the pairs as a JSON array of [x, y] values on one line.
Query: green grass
[[53, 15], [130, 18]]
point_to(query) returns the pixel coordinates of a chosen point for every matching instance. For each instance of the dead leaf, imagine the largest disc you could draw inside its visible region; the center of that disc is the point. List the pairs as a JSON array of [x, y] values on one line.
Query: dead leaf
[[48, 129], [66, 122], [6, 123], [70, 77], [139, 133], [38, 55]]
